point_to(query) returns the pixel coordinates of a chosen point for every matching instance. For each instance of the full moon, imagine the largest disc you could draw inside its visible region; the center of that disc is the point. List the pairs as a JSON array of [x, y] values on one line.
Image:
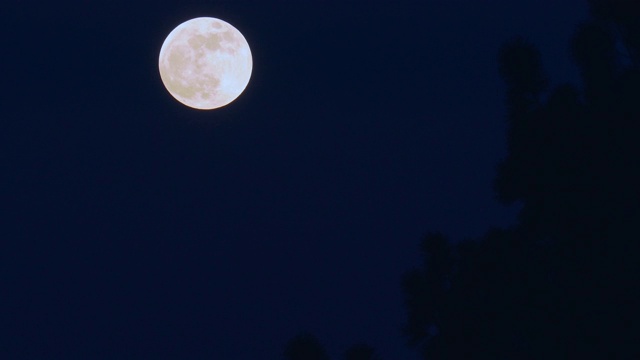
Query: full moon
[[205, 63]]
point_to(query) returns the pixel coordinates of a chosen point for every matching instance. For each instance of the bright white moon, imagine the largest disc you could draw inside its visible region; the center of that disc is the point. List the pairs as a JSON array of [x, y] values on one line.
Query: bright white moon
[[205, 63]]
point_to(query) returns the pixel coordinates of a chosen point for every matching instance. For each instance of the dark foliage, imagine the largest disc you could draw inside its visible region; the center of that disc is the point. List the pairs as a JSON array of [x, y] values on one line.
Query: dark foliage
[[560, 284], [305, 347], [622, 17], [361, 352]]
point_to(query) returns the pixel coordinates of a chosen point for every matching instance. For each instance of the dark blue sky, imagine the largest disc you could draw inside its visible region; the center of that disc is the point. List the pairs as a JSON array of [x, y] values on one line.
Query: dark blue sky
[[134, 227]]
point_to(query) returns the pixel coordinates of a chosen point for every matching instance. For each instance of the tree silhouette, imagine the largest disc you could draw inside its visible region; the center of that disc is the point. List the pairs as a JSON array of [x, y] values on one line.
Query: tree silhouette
[[561, 283], [428, 288], [305, 346], [361, 352], [621, 16]]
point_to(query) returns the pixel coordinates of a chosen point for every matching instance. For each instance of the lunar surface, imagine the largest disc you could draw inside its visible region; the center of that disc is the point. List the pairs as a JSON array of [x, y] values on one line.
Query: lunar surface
[[205, 63]]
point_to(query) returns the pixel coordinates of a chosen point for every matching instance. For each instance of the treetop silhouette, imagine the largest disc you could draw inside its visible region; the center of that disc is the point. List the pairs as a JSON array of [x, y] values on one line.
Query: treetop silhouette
[[560, 283]]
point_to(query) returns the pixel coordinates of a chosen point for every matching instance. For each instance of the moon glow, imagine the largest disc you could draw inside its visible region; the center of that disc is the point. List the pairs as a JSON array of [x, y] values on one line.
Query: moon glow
[[205, 63]]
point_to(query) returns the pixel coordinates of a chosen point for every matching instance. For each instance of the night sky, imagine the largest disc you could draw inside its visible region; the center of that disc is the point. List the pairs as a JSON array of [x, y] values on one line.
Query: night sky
[[134, 227]]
